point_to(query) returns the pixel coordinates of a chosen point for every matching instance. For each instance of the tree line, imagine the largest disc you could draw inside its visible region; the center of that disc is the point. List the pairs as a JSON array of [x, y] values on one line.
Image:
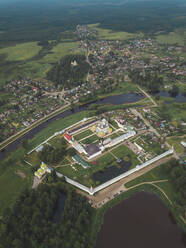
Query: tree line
[[29, 223], [177, 174]]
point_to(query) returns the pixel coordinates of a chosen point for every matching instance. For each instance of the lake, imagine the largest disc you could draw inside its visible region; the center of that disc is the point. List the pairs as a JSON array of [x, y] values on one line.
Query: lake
[[142, 221]]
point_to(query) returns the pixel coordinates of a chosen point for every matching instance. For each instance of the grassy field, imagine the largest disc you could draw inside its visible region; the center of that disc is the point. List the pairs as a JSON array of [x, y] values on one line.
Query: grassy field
[[90, 140], [172, 38], [124, 87], [123, 152], [11, 189], [113, 35], [21, 52], [35, 69], [114, 124], [57, 126], [176, 111], [168, 188], [21, 62], [175, 142], [12, 184], [60, 51], [104, 161], [153, 175], [83, 135]]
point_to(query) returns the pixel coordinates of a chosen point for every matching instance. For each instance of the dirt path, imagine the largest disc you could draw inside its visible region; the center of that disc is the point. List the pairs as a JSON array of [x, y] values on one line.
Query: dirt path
[[153, 183], [37, 181], [148, 96]]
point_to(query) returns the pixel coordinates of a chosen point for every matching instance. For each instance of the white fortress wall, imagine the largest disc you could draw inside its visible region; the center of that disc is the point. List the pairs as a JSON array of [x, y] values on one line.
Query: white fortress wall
[[114, 180], [60, 132]]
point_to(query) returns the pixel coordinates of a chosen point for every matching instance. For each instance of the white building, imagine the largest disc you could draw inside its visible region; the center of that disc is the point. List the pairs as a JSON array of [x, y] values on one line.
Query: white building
[[120, 139], [78, 147]]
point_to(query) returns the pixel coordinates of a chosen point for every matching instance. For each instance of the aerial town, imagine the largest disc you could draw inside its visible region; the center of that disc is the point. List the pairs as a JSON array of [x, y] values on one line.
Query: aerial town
[[112, 62]]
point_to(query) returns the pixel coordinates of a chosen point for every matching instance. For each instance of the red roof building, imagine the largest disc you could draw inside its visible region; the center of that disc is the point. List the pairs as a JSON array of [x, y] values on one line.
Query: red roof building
[[68, 137]]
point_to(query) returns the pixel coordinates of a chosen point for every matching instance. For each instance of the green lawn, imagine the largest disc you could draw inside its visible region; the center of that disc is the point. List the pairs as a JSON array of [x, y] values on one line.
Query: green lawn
[[83, 135], [113, 123], [21, 52], [175, 142], [33, 159], [168, 189], [112, 136], [57, 126], [113, 35], [104, 161], [153, 175], [90, 140], [81, 175], [126, 154]]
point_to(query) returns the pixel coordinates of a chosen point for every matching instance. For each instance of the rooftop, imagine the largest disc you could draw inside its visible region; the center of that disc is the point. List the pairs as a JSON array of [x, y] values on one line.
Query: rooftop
[[92, 149]]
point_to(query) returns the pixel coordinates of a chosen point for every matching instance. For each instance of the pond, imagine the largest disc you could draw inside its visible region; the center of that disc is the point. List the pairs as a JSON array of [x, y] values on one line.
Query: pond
[[118, 99], [178, 98], [142, 221], [59, 209], [112, 171], [121, 99]]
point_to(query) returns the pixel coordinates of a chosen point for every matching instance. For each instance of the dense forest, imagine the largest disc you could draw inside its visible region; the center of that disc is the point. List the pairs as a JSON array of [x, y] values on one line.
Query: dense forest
[[177, 174], [69, 71], [30, 222], [45, 20]]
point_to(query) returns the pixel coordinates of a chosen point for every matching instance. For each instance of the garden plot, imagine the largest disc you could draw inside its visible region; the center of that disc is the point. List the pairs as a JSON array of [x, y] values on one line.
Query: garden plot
[[82, 135]]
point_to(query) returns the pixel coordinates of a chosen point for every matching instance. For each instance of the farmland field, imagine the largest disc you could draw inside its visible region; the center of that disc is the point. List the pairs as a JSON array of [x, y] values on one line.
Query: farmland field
[[61, 50], [21, 52], [172, 38], [111, 35]]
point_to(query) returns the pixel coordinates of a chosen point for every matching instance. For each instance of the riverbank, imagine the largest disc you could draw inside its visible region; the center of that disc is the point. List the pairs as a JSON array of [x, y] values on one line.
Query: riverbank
[[5, 143]]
